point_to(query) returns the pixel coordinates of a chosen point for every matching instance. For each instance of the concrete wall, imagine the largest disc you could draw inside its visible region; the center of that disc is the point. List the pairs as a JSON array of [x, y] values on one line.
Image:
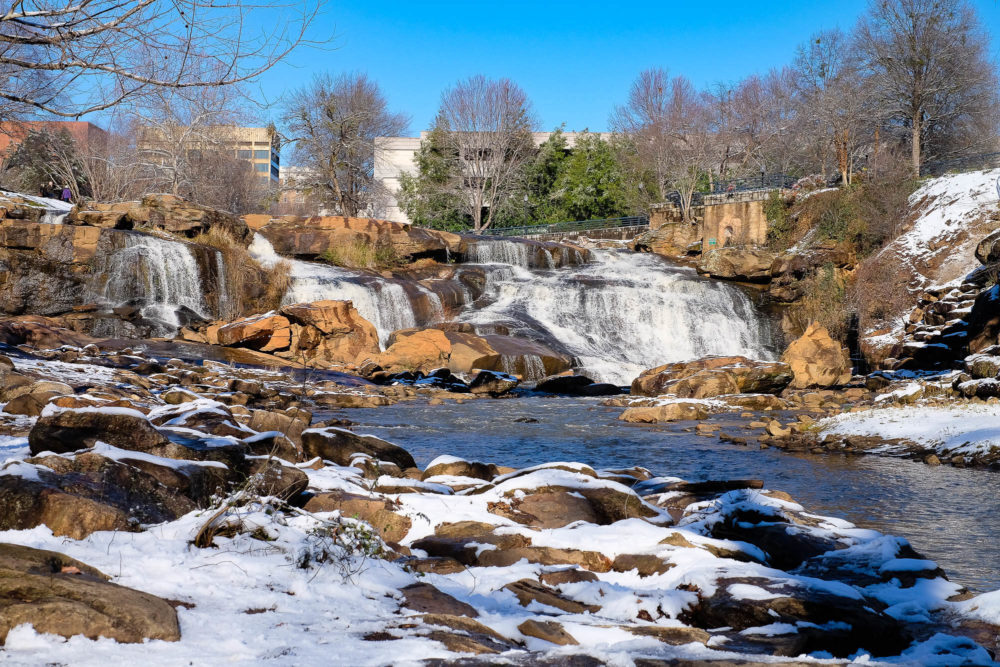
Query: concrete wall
[[735, 223]]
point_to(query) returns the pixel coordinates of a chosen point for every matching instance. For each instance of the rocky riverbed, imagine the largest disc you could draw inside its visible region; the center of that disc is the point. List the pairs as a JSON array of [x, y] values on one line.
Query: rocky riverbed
[[220, 511]]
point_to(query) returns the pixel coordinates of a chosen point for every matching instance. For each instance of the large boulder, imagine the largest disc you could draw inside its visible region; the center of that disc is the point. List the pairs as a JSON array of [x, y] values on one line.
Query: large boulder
[[817, 360], [76, 496], [988, 250], [713, 376], [266, 332], [62, 596], [428, 349], [740, 264], [340, 445], [69, 430], [322, 334]]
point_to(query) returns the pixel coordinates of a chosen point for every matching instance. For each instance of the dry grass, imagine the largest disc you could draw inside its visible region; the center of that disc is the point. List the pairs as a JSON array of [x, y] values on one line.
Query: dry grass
[[252, 288], [825, 301], [363, 254]]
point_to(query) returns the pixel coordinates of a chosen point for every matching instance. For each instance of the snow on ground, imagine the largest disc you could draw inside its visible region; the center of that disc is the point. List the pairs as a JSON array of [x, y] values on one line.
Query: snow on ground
[[953, 429], [951, 219]]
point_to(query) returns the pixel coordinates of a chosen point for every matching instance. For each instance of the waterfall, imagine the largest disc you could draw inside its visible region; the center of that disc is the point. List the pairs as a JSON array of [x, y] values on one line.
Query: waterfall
[[623, 313], [384, 303], [618, 315], [158, 276], [499, 252], [54, 210]]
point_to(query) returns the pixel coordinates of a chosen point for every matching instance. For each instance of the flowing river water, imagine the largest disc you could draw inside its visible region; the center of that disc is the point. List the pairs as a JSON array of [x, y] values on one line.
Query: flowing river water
[[950, 515], [617, 315]]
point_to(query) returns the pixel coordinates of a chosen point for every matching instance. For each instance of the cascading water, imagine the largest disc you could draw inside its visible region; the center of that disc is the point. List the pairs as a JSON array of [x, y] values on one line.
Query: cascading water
[[498, 252], [618, 315], [622, 313], [161, 277], [382, 302]]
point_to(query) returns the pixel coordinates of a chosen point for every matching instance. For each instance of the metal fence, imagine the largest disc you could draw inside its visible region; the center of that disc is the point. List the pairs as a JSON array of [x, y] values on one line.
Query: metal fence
[[565, 227], [761, 182], [968, 163]]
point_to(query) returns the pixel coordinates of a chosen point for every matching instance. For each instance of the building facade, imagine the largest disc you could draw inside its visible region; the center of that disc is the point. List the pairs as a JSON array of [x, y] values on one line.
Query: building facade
[[260, 146], [86, 135], [395, 156]]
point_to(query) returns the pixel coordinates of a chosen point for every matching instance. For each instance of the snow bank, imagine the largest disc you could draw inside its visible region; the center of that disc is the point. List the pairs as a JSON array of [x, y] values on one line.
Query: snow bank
[[963, 429]]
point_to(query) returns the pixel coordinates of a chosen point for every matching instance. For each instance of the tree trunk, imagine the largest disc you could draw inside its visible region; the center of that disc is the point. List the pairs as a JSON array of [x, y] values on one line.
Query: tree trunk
[[915, 148]]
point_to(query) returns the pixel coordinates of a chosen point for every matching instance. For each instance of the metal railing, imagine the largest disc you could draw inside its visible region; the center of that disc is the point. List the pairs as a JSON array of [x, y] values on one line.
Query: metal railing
[[968, 163], [761, 182], [571, 226]]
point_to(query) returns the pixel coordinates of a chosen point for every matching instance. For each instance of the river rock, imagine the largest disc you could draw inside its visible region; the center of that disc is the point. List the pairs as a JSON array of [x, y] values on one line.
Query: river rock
[[741, 264], [391, 526], [665, 413], [69, 430], [988, 250], [62, 596], [571, 385], [817, 360], [428, 349], [550, 631], [75, 496], [339, 445], [713, 376], [492, 383], [267, 332]]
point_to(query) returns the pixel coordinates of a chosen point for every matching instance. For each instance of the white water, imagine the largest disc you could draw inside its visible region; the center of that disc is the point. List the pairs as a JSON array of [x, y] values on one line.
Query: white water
[[55, 210], [162, 275], [619, 314], [623, 313], [382, 302]]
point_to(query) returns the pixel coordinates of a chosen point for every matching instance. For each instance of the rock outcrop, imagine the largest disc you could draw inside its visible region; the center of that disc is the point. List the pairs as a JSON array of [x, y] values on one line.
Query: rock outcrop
[[311, 238], [320, 334], [428, 349], [816, 360], [751, 265], [162, 212], [713, 376]]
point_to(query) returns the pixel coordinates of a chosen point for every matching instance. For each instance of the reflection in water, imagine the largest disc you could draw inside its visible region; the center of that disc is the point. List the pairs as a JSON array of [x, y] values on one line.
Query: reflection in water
[[949, 515]]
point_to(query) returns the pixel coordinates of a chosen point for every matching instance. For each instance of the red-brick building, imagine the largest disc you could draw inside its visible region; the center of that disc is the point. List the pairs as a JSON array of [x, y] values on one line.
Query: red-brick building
[[85, 134]]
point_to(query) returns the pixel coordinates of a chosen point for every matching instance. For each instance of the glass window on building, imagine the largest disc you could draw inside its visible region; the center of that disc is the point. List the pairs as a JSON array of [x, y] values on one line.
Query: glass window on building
[[261, 155], [274, 172], [245, 155], [260, 167]]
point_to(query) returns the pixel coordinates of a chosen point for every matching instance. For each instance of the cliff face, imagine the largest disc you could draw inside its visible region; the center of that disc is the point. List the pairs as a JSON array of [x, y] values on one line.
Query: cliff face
[[101, 277]]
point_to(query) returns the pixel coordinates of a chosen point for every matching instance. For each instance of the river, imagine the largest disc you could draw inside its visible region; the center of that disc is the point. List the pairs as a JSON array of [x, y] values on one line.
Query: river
[[950, 515]]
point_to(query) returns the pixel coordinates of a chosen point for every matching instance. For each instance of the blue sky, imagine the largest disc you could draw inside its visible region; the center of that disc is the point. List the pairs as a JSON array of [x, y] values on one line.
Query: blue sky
[[575, 60]]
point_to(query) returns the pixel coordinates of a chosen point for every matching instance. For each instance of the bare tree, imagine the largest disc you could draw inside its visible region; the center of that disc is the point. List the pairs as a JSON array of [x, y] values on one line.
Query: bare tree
[[71, 57], [835, 96], [187, 143], [931, 71], [334, 123], [487, 123], [670, 126]]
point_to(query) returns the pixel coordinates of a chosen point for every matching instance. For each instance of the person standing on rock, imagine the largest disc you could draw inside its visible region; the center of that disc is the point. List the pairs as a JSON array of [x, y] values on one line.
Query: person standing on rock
[[66, 195]]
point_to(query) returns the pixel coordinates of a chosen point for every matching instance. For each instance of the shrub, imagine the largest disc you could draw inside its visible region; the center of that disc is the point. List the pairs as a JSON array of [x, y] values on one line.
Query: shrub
[[825, 301], [780, 226], [251, 287], [363, 254], [879, 293]]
